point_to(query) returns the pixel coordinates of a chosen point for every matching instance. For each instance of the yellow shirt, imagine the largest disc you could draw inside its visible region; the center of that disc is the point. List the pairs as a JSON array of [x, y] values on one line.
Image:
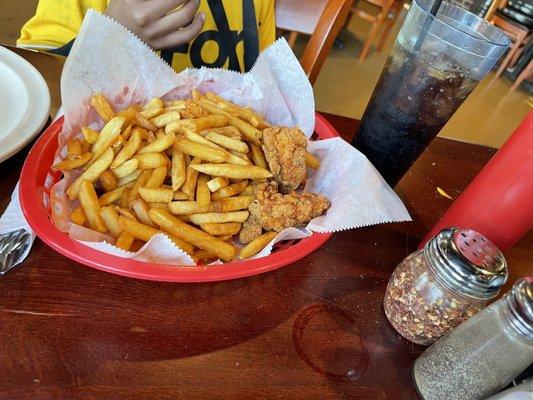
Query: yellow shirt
[[234, 33]]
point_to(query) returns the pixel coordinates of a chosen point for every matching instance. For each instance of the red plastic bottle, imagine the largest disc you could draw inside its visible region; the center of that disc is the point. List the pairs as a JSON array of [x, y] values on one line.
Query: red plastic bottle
[[499, 201]]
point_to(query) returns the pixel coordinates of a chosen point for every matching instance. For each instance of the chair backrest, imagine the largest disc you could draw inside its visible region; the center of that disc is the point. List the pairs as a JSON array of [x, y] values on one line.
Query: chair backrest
[[516, 32], [299, 17]]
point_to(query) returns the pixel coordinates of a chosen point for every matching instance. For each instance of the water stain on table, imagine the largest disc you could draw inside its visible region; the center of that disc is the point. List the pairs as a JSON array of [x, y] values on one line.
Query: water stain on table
[[340, 354]]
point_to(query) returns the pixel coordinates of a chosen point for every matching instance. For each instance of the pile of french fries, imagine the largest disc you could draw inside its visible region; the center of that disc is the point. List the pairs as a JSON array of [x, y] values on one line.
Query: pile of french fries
[[185, 168]]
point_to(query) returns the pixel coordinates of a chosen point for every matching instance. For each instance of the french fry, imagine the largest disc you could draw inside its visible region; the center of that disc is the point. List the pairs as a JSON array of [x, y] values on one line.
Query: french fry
[[191, 176], [199, 124], [140, 208], [256, 245], [225, 238], [164, 206], [193, 235], [226, 228], [74, 149], [157, 178], [194, 108], [231, 190], [311, 161], [217, 183], [246, 114], [126, 133], [156, 195], [203, 194], [90, 206], [232, 204], [233, 171], [129, 113], [234, 159], [139, 182], [229, 131], [107, 136], [158, 145], [150, 160], [145, 122], [152, 109], [227, 142], [130, 148], [86, 147], [125, 212], [110, 217], [205, 218], [92, 173], [249, 191], [203, 255], [110, 197], [179, 195], [188, 207], [125, 168], [108, 181], [178, 169], [125, 240], [195, 137], [102, 107], [78, 217], [145, 232], [164, 119], [241, 155], [129, 178], [67, 164], [252, 134], [258, 157], [201, 151], [89, 134]]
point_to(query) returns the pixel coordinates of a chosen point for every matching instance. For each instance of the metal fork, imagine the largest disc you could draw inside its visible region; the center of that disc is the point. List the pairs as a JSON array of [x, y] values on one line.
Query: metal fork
[[12, 246]]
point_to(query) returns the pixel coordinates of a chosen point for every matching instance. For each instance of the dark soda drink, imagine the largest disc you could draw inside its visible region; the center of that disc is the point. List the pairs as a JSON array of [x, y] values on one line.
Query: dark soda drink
[[432, 69], [413, 100]]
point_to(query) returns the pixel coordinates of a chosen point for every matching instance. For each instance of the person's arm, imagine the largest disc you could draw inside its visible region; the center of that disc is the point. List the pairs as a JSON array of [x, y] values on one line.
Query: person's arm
[[56, 23]]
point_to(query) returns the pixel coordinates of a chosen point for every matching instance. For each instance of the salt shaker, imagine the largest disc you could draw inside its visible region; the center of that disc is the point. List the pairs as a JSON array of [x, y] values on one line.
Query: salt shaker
[[436, 288], [482, 355]]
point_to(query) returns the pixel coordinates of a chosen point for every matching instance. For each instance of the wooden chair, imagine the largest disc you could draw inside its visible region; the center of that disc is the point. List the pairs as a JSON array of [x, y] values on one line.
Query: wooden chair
[[386, 17], [322, 19], [518, 36], [526, 74]]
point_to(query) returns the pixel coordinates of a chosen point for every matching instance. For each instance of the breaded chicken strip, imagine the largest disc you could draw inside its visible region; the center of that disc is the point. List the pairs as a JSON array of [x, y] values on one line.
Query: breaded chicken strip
[[284, 150], [276, 211]]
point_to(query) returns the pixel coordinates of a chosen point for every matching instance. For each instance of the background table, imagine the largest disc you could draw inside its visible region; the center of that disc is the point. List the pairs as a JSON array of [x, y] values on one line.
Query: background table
[[311, 330]]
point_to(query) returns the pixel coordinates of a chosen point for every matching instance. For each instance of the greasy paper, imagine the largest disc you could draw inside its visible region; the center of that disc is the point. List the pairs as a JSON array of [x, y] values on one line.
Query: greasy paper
[[107, 58]]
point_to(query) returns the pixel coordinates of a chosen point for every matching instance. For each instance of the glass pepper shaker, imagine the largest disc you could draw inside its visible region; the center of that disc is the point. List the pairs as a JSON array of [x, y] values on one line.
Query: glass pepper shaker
[[436, 288], [484, 354]]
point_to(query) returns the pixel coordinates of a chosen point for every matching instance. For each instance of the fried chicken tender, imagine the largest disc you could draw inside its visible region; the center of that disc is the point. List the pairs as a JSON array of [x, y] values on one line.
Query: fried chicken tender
[[276, 211], [251, 229], [284, 150]]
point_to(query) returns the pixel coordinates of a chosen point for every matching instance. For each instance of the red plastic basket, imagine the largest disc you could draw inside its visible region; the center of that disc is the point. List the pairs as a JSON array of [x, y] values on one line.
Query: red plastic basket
[[34, 196]]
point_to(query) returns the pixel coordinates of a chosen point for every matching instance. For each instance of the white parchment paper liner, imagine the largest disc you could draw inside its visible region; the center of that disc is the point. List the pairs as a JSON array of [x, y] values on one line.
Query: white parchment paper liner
[[107, 58]]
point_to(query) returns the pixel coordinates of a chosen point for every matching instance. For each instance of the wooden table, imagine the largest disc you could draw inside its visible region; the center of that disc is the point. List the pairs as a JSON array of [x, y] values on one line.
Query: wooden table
[[311, 330]]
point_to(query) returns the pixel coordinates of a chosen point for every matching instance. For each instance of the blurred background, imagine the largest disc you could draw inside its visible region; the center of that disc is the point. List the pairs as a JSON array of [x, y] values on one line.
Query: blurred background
[[353, 63]]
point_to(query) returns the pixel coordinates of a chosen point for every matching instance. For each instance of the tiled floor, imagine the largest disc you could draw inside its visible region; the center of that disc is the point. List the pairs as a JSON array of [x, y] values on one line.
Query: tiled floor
[[344, 86]]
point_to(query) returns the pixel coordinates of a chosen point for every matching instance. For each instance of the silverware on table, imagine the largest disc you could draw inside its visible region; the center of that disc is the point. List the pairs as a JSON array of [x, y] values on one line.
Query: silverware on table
[[12, 246]]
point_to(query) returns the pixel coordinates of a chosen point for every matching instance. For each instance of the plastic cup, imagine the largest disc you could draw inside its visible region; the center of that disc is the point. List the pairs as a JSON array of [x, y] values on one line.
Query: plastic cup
[[435, 64]]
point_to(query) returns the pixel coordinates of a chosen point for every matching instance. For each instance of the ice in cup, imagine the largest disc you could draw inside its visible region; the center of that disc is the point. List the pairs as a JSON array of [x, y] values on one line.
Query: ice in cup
[[434, 65]]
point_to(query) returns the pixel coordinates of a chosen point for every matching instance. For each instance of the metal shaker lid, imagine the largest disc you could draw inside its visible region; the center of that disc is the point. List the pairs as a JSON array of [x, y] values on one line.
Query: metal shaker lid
[[521, 306], [467, 262]]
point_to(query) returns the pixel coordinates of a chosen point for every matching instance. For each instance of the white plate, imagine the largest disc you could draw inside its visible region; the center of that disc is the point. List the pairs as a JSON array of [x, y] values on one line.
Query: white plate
[[24, 103]]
